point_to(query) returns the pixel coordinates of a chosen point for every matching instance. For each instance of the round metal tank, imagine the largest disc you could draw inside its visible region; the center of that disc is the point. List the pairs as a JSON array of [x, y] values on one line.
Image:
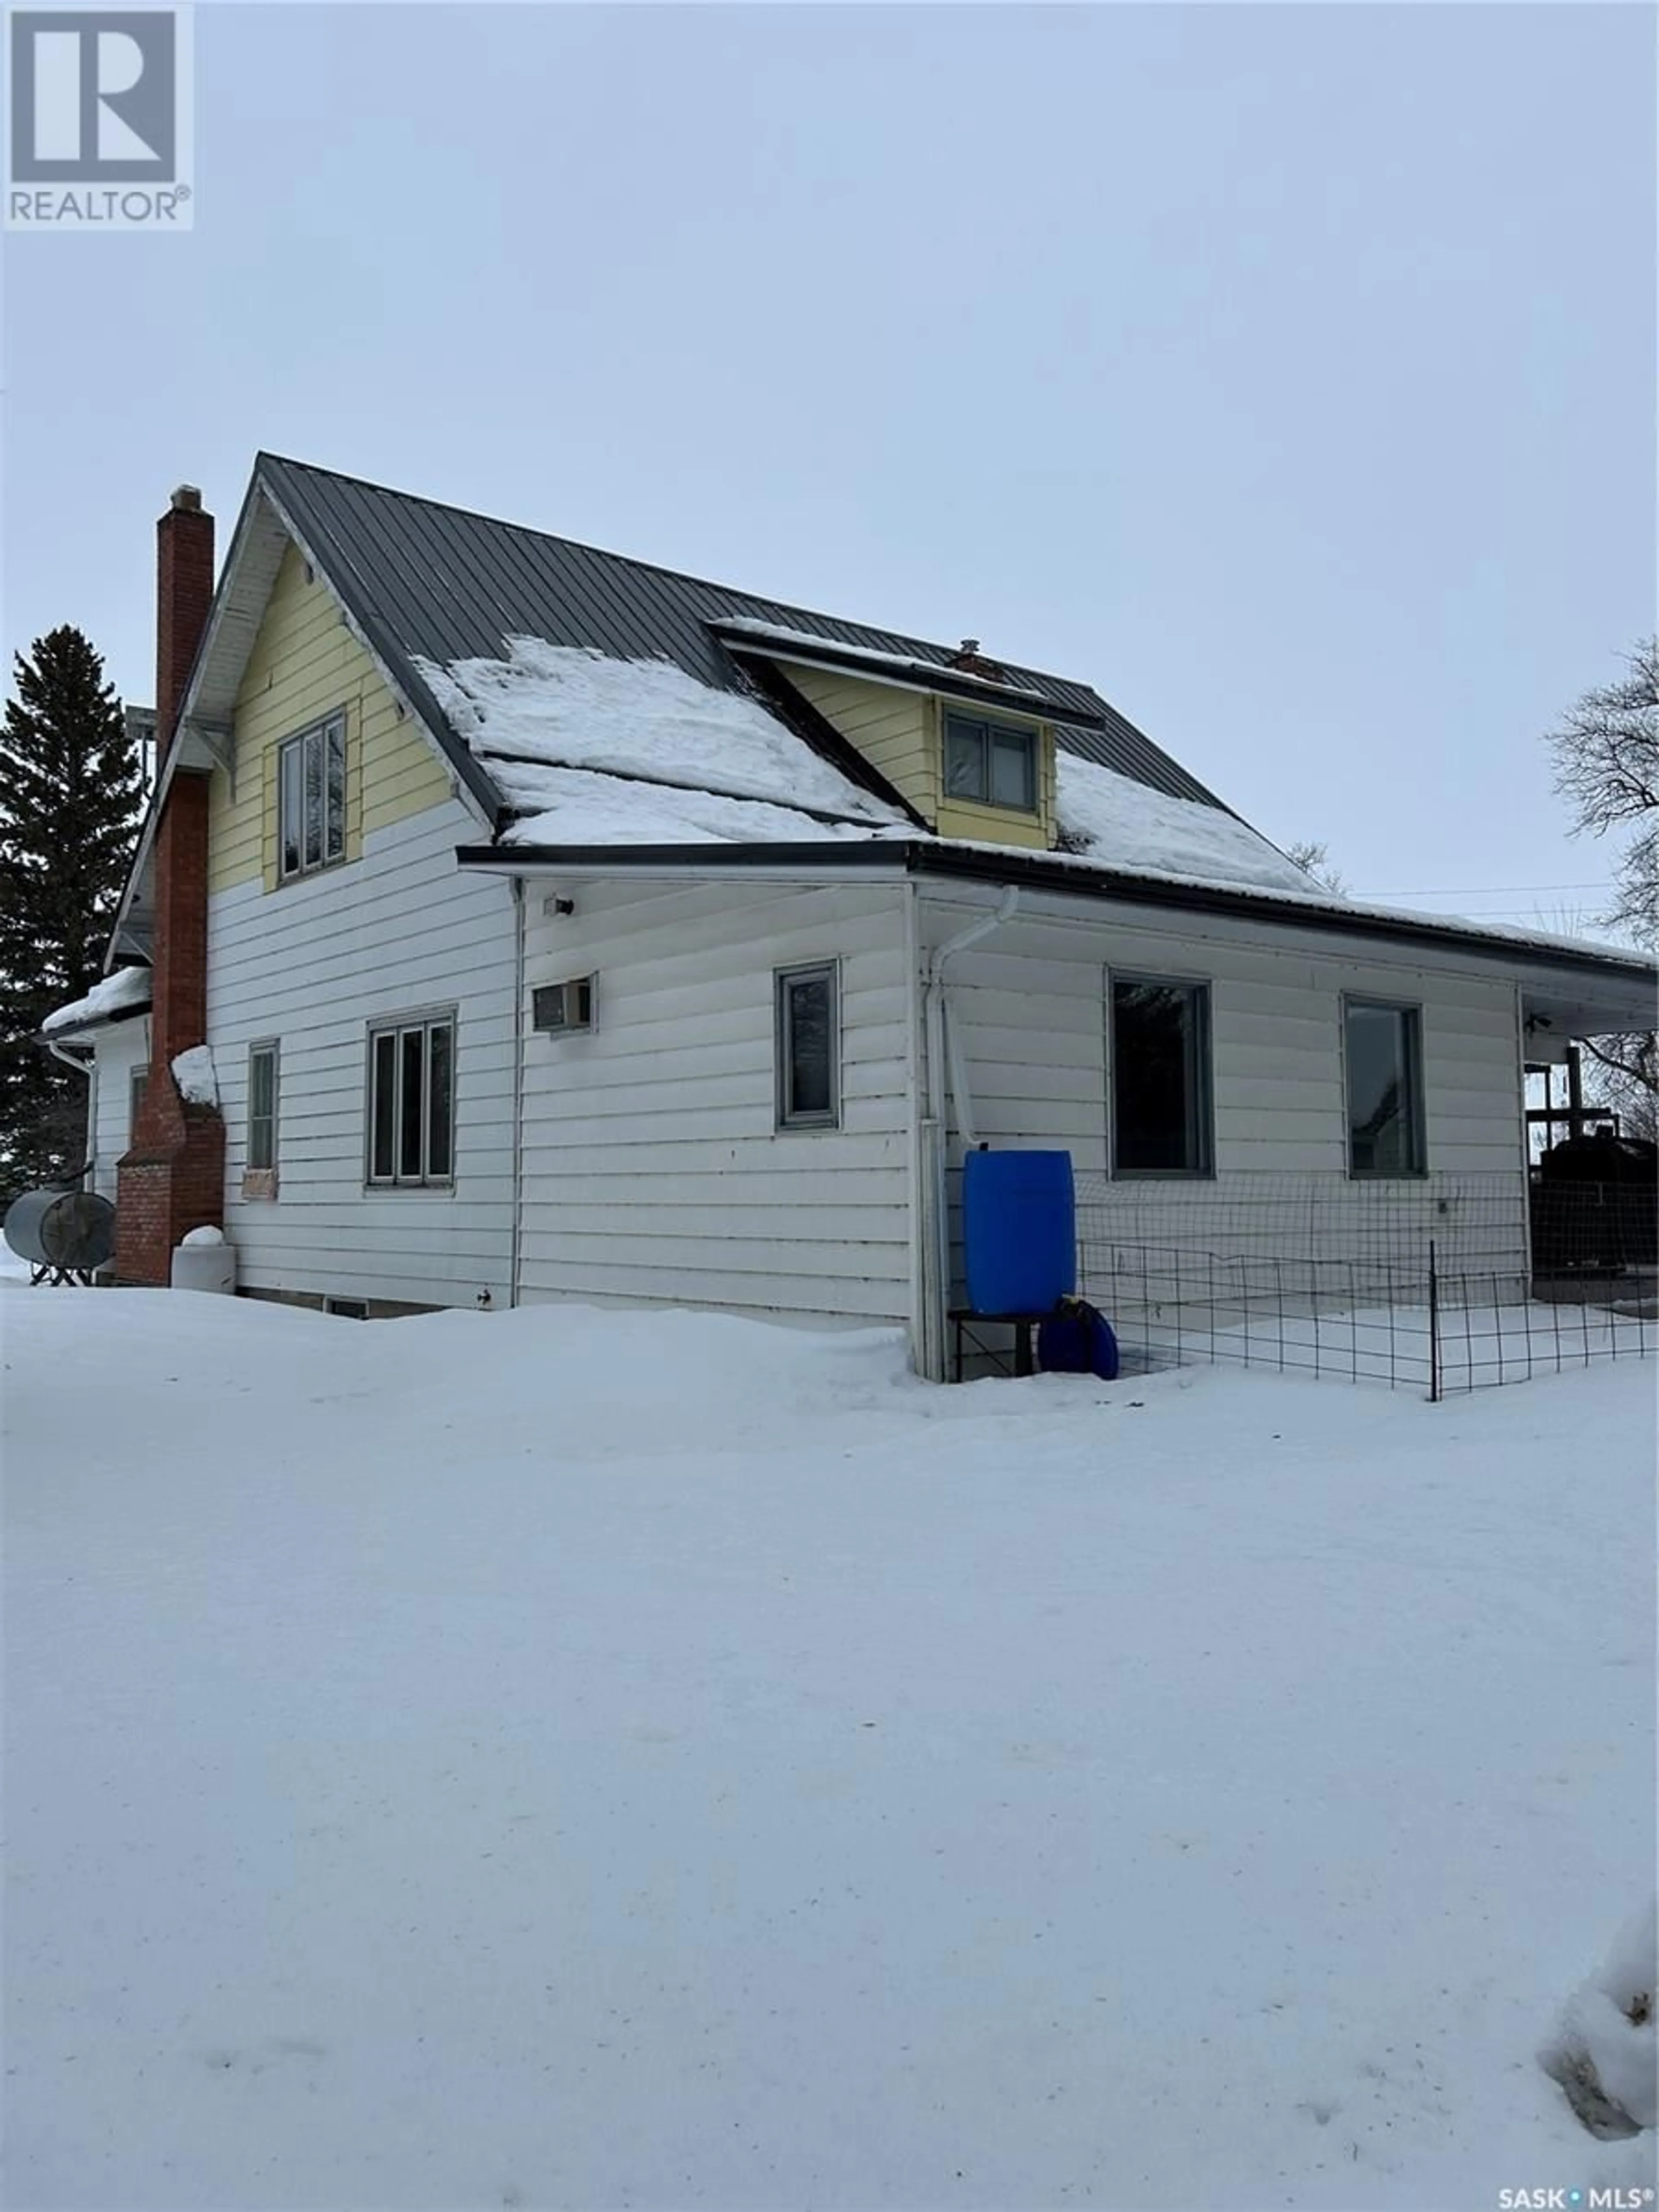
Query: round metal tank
[[69, 1228]]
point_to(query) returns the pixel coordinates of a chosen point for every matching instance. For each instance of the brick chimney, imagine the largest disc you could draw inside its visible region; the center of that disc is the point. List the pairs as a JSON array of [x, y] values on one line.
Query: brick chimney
[[172, 1178]]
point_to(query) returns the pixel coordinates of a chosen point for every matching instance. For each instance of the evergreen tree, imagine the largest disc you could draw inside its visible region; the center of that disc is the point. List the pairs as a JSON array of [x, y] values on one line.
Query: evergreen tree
[[71, 793]]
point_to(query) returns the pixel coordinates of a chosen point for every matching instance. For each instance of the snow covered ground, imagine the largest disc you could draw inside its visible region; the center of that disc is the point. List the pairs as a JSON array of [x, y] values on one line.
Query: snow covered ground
[[580, 1759]]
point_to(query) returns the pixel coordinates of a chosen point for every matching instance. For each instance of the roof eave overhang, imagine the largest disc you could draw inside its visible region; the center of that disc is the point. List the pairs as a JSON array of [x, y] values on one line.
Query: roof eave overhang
[[917, 858], [1263, 906], [870, 860], [89, 1032]]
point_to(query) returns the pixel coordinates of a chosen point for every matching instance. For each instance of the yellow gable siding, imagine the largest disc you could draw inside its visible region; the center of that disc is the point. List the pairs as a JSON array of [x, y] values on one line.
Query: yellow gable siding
[[305, 664], [892, 730], [901, 734]]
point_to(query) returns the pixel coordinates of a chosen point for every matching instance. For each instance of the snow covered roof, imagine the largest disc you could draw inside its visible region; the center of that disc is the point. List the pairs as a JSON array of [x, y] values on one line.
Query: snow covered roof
[[1117, 824], [125, 992], [659, 737], [591, 750], [576, 806]]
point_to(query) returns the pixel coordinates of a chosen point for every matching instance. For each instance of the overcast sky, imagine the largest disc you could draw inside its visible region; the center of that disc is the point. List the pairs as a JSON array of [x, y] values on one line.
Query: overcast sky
[[1285, 371]]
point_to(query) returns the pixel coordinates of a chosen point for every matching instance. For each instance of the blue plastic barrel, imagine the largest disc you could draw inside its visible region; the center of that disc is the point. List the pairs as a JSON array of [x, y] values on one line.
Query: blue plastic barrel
[[1019, 1231]]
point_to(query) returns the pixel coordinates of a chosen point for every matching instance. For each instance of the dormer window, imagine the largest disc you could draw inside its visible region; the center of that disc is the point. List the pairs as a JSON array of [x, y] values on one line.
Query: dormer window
[[992, 762]]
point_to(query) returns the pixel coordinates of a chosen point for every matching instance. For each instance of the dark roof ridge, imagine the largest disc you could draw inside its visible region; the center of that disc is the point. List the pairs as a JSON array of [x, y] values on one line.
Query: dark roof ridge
[[656, 567]]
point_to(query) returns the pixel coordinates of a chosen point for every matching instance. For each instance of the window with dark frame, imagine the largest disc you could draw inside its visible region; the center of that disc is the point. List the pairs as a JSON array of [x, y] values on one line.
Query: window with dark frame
[[411, 1101], [1161, 1112], [138, 1085], [992, 762], [311, 799], [808, 1047], [1382, 1060], [261, 1108]]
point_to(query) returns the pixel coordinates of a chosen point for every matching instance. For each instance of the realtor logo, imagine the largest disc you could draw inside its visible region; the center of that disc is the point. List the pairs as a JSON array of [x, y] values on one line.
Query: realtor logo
[[101, 117]]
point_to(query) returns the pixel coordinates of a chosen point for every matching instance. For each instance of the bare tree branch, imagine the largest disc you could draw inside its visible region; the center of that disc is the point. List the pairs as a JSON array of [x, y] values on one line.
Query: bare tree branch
[[1606, 763], [1606, 746], [1315, 861]]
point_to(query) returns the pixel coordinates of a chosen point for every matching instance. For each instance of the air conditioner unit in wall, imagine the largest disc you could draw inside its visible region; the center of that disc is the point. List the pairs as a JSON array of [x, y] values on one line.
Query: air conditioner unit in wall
[[557, 1009]]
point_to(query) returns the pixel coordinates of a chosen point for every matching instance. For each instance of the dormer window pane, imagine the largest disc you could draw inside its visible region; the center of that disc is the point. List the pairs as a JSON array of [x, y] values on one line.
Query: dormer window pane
[[965, 757], [1012, 769], [992, 762]]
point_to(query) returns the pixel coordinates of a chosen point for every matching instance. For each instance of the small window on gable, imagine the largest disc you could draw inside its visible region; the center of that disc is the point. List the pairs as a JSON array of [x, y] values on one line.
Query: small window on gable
[[993, 763], [808, 1048], [1383, 1055], [311, 799]]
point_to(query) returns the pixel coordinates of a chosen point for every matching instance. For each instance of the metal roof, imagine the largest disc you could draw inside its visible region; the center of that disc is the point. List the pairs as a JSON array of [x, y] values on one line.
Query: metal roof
[[440, 583]]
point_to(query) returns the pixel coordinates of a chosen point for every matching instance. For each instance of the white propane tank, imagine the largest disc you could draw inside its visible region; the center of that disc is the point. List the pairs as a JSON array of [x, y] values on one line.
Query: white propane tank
[[204, 1261]]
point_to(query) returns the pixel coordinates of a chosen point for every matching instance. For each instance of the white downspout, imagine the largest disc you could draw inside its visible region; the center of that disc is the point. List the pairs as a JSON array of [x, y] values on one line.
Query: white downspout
[[515, 1239], [922, 1248], [934, 1020]]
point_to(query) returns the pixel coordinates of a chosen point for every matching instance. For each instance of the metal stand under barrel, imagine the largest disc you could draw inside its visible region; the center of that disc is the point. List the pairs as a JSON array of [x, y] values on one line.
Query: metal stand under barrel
[[65, 1235]]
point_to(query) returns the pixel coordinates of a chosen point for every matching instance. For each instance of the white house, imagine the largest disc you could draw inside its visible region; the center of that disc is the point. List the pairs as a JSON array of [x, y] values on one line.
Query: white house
[[563, 928]]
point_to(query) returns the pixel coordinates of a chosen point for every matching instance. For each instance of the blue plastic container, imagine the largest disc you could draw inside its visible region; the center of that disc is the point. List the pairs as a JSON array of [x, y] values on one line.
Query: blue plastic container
[[1078, 1342], [1019, 1231]]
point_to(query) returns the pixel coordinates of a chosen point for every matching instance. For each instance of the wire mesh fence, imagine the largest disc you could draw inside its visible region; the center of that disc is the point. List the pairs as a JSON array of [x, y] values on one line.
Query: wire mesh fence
[[1427, 1287]]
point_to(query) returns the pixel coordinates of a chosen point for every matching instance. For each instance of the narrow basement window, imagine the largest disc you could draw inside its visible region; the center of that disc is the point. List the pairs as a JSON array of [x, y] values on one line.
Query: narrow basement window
[[808, 1047], [1161, 1114]]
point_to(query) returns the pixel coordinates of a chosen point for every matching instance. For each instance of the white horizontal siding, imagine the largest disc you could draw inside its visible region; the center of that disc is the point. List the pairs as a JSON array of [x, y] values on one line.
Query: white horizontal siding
[[653, 1169], [1030, 1005], [121, 1048], [312, 965]]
